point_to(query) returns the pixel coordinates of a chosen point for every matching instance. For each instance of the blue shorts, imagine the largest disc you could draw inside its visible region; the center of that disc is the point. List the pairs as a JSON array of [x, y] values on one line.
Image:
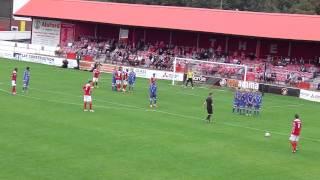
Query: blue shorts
[[153, 96], [25, 83], [131, 83]]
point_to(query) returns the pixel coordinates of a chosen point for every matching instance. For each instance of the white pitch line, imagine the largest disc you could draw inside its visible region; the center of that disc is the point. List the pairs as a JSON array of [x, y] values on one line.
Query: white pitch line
[[134, 108]]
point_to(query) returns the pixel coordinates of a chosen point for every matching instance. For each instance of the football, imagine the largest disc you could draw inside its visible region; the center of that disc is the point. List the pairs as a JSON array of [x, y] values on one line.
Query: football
[[267, 134]]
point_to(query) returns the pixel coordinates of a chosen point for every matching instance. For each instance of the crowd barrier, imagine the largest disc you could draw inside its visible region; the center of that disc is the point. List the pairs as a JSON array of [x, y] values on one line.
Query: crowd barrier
[[140, 72], [41, 59]]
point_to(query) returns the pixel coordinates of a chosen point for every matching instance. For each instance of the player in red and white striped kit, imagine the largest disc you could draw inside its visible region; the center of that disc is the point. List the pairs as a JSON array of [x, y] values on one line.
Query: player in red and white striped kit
[[119, 79], [96, 75], [87, 90], [14, 81], [295, 133], [124, 80]]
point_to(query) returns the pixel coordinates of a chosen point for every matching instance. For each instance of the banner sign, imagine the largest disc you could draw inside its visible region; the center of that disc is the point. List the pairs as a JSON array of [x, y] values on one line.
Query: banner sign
[[6, 54], [48, 60], [285, 91], [67, 34], [46, 32], [310, 95], [248, 85]]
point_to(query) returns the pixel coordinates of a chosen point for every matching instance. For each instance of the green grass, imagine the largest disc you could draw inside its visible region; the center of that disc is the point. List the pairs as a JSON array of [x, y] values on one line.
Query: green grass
[[45, 134]]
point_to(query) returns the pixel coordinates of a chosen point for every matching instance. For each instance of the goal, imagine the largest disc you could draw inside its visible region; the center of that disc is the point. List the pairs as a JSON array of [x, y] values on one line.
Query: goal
[[205, 70]]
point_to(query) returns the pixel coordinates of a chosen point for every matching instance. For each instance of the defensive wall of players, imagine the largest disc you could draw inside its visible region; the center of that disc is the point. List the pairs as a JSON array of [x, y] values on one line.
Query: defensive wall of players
[[31, 53]]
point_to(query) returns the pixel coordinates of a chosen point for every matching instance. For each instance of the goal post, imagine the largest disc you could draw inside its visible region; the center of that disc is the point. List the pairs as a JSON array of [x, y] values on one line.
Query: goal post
[[208, 69]]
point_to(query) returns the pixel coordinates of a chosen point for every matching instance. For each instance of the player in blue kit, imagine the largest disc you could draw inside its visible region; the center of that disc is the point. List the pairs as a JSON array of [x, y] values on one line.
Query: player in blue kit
[[236, 102], [131, 80], [242, 103], [257, 103], [26, 79], [153, 94], [249, 106]]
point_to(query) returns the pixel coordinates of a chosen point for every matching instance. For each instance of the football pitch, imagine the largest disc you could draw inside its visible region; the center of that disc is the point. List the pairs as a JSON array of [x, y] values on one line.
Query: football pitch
[[46, 135]]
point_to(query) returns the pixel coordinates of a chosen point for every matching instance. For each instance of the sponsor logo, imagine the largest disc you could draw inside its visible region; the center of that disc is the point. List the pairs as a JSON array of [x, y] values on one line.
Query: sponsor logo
[[199, 78], [310, 95], [223, 82], [232, 83], [284, 91], [248, 85]]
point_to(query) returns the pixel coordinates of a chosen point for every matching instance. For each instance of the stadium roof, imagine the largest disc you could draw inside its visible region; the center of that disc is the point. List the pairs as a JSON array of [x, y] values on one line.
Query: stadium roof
[[268, 25]]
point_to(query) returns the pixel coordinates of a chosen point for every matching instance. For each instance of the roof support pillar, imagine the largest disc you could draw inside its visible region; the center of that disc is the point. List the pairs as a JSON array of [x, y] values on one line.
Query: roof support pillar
[[170, 38], [145, 36], [198, 40], [96, 31], [226, 49], [289, 49], [258, 47]]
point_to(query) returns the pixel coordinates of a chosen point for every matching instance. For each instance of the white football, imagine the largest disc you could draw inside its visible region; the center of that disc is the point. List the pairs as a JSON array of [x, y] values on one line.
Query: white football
[[267, 134]]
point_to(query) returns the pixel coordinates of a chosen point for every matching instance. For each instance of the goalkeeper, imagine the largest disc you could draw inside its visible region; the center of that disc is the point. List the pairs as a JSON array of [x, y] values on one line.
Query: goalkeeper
[[189, 78]]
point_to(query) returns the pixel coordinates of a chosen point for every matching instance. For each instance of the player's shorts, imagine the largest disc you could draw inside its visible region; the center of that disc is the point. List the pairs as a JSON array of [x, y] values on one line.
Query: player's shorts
[[95, 79], [87, 98], [114, 81], [118, 82], [153, 96], [13, 83], [294, 138], [131, 83], [125, 82], [257, 107], [241, 105], [209, 110], [25, 83], [249, 105]]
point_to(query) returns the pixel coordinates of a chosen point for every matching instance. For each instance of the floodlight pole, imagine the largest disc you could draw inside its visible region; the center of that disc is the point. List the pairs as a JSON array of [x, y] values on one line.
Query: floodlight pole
[[221, 4]]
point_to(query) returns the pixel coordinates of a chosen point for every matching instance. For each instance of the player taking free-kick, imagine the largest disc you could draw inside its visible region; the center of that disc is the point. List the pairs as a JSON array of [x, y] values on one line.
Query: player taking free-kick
[[14, 81], [87, 90], [295, 133]]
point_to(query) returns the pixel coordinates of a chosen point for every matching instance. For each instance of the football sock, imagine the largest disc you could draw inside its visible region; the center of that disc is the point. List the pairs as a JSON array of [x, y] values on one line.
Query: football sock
[[85, 106], [90, 106]]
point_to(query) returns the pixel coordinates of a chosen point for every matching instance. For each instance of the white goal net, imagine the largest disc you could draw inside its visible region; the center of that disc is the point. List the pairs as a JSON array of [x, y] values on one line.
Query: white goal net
[[205, 70]]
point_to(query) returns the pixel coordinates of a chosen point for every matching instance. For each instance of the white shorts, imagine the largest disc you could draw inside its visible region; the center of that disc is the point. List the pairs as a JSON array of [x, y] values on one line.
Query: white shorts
[[125, 82], [87, 98], [95, 79], [118, 81], [294, 138], [13, 83]]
